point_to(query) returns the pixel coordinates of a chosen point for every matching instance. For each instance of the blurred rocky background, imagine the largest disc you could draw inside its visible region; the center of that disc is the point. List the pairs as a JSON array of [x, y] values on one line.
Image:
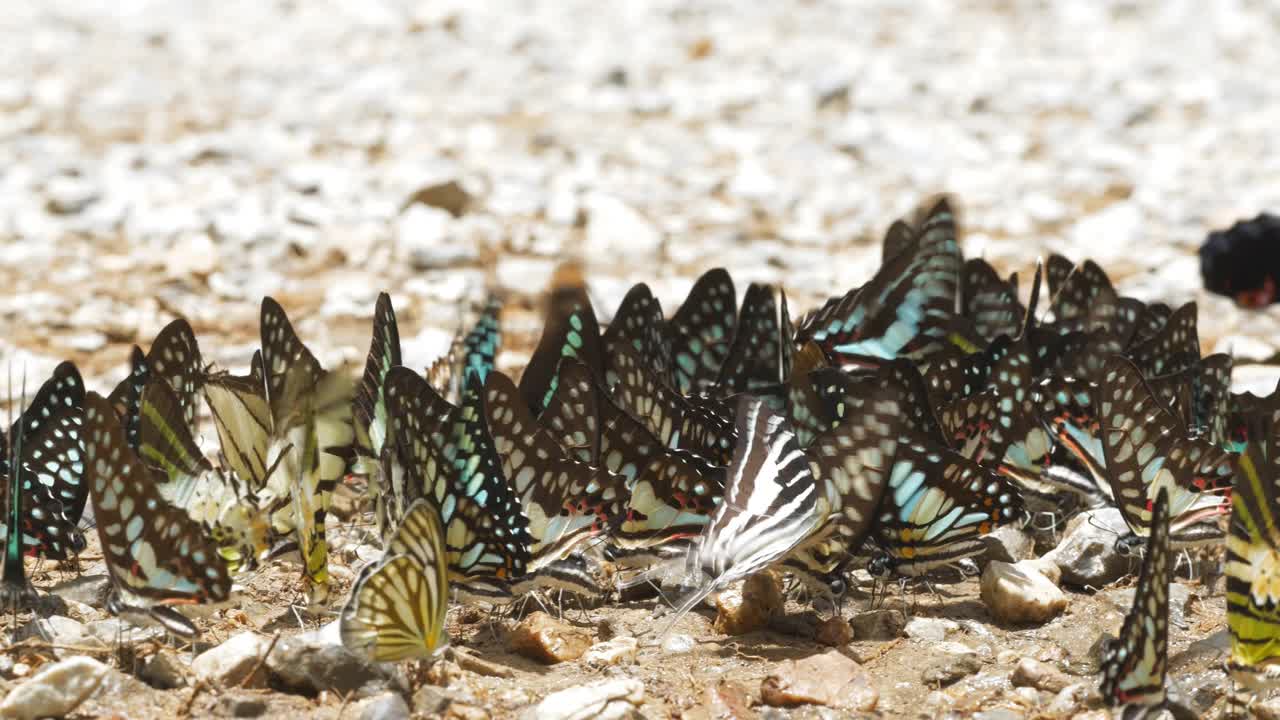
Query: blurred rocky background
[[163, 158]]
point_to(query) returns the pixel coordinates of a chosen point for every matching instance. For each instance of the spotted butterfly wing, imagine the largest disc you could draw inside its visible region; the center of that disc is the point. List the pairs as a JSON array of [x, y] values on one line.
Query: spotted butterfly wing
[[175, 358], [991, 302], [1174, 348], [1146, 448], [312, 427], [701, 332], [937, 506], [1135, 663], [897, 238], [571, 331], [1057, 271], [1150, 322], [699, 426], [126, 398], [51, 466], [155, 553], [397, 606], [566, 500], [638, 323], [370, 415], [445, 450], [756, 357], [905, 310], [849, 463], [573, 416]]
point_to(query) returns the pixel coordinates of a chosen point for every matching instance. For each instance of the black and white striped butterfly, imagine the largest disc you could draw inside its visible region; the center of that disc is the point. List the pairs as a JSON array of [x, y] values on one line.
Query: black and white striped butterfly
[[770, 504]]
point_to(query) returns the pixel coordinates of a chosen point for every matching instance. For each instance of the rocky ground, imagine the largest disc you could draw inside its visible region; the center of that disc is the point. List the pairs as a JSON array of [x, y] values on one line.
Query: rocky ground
[[159, 159]]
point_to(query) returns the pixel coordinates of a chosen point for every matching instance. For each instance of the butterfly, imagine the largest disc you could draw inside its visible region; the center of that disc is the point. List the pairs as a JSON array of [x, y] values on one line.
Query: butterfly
[[222, 502], [770, 504], [48, 468], [370, 416], [905, 310], [565, 500], [1145, 448], [175, 357], [1253, 564], [470, 356], [849, 464], [701, 332], [1134, 664], [156, 555], [638, 323], [446, 452], [992, 303], [760, 355], [936, 506], [397, 606], [1174, 348], [571, 331], [698, 425], [671, 492], [311, 427]]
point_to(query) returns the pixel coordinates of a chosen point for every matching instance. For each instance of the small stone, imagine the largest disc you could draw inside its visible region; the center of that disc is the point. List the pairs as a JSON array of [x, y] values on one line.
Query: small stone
[[59, 630], [1019, 593], [607, 700], [1008, 543], [678, 644], [1180, 597], [1038, 675], [68, 195], [194, 255], [230, 663], [881, 624], [387, 706], [829, 679], [930, 629], [547, 640], [947, 670], [1261, 709], [241, 705], [1087, 553], [448, 196], [317, 661], [999, 714], [834, 632], [426, 238], [55, 691], [724, 700], [165, 671], [618, 651], [616, 231], [748, 607], [1071, 699]]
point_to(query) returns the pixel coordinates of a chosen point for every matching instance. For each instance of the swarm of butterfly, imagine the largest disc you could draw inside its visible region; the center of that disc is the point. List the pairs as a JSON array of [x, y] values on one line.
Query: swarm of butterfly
[[889, 429]]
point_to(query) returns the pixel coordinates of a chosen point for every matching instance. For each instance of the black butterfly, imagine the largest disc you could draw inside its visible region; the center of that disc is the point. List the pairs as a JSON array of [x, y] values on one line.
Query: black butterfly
[[1134, 665], [906, 310], [48, 467], [701, 332], [156, 554], [571, 331]]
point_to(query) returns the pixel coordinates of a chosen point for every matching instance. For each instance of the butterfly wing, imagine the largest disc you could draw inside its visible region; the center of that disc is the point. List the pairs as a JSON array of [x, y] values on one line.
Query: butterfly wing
[[397, 607], [701, 332], [1134, 664], [155, 553]]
